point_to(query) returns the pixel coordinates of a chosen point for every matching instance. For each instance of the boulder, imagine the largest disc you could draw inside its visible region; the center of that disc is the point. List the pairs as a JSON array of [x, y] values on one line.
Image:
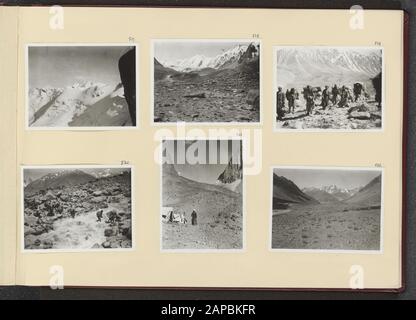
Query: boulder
[[111, 215], [360, 108], [99, 199], [97, 193], [375, 115], [106, 244], [29, 230], [108, 232], [126, 232], [126, 244], [38, 230], [115, 244], [47, 244], [243, 118], [102, 205], [114, 199]]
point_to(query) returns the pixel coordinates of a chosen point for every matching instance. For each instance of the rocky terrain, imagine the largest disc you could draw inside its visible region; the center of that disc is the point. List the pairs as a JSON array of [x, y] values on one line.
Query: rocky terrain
[[327, 226], [326, 222], [220, 212], [354, 116], [218, 89], [369, 195], [60, 211]]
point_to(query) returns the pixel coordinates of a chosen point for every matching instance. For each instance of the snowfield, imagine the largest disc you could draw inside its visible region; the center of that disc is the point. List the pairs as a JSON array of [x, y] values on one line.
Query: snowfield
[[82, 104]]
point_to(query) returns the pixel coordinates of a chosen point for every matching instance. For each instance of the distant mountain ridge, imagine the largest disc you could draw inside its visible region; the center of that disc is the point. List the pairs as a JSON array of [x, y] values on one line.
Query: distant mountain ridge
[[286, 192], [333, 59], [321, 66], [339, 193], [57, 179], [321, 195]]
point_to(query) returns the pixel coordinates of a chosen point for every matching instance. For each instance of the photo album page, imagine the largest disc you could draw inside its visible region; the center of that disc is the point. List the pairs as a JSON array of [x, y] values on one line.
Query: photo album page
[[201, 148]]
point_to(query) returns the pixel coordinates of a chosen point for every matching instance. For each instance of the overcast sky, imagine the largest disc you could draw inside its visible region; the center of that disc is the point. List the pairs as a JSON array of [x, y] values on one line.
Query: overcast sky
[[171, 51], [62, 66], [305, 178], [209, 172]]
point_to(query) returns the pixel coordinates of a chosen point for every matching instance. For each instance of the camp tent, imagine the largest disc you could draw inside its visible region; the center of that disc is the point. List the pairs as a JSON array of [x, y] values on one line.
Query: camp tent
[[177, 217]]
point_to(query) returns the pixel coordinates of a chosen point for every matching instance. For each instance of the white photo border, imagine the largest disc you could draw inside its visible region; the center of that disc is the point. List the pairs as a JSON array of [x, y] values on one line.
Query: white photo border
[[243, 194], [317, 130], [81, 166], [330, 251], [190, 124], [87, 44]]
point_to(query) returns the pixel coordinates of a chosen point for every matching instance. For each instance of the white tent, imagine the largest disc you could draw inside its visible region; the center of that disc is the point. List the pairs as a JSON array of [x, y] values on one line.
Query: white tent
[[177, 216]]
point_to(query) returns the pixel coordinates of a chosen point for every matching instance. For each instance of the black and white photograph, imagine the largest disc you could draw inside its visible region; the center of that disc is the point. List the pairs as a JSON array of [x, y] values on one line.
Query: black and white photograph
[[75, 208], [202, 195], [81, 86], [206, 81], [328, 88], [326, 208]]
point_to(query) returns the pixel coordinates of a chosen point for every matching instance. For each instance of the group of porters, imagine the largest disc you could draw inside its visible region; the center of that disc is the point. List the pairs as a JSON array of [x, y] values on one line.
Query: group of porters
[[335, 96]]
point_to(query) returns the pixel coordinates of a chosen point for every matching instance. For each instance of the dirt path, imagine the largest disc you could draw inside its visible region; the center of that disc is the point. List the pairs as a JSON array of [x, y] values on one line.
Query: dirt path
[[82, 232]]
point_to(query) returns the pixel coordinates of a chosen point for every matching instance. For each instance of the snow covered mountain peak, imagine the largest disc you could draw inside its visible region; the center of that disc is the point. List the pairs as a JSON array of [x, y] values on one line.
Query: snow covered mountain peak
[[337, 60], [222, 60], [59, 107]]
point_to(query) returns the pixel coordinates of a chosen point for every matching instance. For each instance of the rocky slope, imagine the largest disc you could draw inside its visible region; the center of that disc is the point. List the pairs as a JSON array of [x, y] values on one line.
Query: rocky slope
[[286, 191], [231, 177], [65, 216], [369, 195]]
